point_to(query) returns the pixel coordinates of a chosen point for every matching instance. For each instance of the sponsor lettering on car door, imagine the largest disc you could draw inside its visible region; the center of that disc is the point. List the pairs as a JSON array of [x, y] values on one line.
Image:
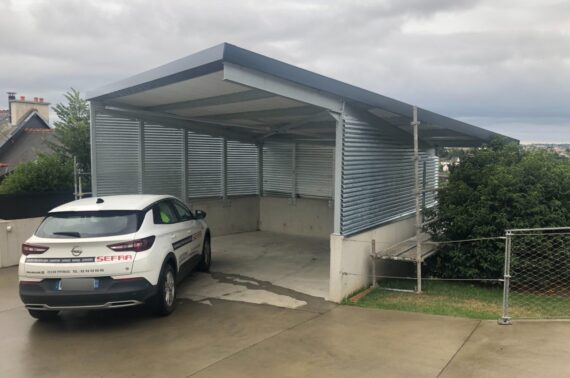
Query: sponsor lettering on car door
[[192, 230]]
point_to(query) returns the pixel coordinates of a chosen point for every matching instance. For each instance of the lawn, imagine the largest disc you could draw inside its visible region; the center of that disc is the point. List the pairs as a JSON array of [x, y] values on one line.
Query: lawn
[[461, 299]]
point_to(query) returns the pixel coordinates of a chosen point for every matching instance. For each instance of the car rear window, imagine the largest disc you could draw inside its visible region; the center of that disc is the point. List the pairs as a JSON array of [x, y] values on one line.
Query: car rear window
[[89, 224]]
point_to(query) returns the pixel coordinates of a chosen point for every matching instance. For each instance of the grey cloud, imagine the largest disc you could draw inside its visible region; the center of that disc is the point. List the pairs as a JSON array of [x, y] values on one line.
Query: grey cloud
[[497, 72]]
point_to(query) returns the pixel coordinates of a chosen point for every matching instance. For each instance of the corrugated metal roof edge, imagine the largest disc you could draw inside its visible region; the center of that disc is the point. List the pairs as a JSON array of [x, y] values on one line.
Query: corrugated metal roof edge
[[212, 59]]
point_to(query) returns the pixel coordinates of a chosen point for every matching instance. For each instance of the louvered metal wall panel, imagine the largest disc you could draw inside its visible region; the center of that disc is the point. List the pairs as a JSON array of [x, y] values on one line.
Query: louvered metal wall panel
[[242, 166], [378, 176], [315, 170], [277, 169], [163, 160], [117, 155], [204, 166]]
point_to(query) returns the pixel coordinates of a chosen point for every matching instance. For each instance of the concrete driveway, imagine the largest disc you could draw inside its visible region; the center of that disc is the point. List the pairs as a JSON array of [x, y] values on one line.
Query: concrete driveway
[[219, 338]]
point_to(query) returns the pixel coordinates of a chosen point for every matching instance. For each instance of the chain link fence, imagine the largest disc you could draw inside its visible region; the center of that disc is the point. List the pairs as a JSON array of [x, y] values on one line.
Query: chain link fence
[[537, 274], [534, 284]]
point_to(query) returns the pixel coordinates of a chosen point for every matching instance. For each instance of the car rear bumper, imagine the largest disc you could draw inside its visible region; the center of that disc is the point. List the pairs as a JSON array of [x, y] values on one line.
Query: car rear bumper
[[111, 293]]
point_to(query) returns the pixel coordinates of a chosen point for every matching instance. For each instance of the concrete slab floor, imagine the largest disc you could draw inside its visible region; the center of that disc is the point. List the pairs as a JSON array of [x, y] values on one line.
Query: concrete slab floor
[[298, 263], [524, 349], [218, 338], [356, 342]]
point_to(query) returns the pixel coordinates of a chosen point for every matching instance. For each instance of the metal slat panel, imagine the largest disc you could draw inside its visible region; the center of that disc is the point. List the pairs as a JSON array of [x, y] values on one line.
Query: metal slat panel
[[204, 166], [378, 176], [277, 169], [163, 147], [117, 154], [315, 170], [242, 168]]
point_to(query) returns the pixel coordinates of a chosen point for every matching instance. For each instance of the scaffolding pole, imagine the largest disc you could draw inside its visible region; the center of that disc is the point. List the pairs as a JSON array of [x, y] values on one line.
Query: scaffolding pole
[[415, 124]]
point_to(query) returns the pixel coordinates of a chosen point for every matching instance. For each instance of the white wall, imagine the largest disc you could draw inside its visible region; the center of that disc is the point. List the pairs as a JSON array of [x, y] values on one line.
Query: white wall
[[351, 265], [303, 217], [229, 216], [12, 234]]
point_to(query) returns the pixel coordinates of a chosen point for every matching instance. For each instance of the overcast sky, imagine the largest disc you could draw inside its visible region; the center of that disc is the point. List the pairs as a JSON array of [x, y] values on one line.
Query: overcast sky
[[499, 64]]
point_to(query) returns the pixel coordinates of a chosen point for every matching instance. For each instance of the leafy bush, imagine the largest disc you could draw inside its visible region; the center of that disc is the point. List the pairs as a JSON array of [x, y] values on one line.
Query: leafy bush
[[48, 173], [495, 188]]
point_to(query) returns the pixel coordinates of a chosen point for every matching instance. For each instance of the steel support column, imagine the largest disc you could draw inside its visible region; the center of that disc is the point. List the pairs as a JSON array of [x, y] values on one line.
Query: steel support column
[[92, 135], [260, 169], [184, 186], [224, 168], [141, 158], [339, 142], [294, 172], [415, 124]]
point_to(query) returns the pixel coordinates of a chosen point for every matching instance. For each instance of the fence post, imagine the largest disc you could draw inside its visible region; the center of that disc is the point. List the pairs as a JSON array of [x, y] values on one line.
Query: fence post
[[506, 319], [373, 255]]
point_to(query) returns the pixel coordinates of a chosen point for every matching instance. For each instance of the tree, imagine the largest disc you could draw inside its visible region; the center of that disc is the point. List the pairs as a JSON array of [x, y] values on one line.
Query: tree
[[48, 173], [497, 187], [72, 130]]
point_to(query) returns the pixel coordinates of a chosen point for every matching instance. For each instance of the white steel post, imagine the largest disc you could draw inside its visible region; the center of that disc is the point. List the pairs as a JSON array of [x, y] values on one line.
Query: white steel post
[[75, 189], [184, 186], [92, 141], [224, 168], [415, 124], [373, 255], [141, 157], [260, 169], [339, 141], [505, 318], [294, 173]]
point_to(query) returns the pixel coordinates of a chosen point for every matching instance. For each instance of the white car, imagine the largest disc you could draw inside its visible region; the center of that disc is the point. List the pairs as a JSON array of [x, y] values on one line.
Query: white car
[[109, 252]]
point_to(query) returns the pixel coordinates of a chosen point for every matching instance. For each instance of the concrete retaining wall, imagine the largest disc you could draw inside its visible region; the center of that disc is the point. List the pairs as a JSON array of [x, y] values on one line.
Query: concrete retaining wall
[[350, 267], [303, 217], [229, 216], [12, 234]]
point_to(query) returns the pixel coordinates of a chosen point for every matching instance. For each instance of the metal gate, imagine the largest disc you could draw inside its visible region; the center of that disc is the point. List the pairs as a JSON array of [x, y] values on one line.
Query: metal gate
[[536, 274]]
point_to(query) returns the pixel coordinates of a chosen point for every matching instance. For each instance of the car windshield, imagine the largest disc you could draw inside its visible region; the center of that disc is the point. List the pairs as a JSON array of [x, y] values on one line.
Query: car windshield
[[89, 224]]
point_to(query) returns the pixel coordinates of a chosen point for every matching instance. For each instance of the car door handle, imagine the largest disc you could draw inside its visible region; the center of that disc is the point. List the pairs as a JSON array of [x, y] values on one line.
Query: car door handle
[[173, 236]]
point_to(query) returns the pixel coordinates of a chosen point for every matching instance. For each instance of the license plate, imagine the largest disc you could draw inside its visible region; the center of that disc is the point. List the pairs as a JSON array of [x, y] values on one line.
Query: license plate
[[78, 284]]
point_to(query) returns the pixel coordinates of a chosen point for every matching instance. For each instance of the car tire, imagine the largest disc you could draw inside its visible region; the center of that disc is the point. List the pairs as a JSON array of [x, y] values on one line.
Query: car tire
[[43, 315], [206, 259], [164, 301]]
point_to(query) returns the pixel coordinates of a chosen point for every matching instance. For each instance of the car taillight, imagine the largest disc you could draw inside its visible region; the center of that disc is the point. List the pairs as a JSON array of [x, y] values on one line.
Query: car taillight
[[137, 245], [30, 249]]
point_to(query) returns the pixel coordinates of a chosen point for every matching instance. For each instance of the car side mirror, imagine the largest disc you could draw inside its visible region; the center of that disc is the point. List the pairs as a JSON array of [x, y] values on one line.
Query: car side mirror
[[200, 214]]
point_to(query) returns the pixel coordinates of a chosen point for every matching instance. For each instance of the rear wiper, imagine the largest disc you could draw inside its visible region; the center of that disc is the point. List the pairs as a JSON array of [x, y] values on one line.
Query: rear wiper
[[74, 234]]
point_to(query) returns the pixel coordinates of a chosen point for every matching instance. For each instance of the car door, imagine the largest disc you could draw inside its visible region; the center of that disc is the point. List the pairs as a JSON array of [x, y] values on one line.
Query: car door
[[171, 226], [192, 228]]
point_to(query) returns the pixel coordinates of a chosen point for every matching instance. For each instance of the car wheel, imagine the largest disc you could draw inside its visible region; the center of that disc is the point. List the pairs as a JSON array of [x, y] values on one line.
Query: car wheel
[[43, 315], [206, 259], [165, 298]]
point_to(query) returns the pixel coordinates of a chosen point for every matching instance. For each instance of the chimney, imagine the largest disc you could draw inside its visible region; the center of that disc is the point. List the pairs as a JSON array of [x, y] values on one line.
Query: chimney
[[11, 97], [20, 108]]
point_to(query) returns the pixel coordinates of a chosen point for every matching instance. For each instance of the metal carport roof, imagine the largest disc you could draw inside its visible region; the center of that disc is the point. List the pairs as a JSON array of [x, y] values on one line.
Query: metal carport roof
[[235, 92]]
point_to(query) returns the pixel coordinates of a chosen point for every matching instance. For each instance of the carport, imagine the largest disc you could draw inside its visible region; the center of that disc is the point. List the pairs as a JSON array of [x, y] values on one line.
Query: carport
[[271, 149]]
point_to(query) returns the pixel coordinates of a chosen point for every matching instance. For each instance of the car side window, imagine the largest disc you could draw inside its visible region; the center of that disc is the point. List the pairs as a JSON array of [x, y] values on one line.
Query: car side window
[[183, 213], [163, 213]]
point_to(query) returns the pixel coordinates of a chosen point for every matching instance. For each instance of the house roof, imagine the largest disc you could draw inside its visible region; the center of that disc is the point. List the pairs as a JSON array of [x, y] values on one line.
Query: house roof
[[31, 120], [24, 141], [228, 80]]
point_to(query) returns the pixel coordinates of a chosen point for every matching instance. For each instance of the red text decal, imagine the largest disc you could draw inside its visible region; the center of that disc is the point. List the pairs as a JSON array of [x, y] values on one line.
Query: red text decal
[[114, 258]]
